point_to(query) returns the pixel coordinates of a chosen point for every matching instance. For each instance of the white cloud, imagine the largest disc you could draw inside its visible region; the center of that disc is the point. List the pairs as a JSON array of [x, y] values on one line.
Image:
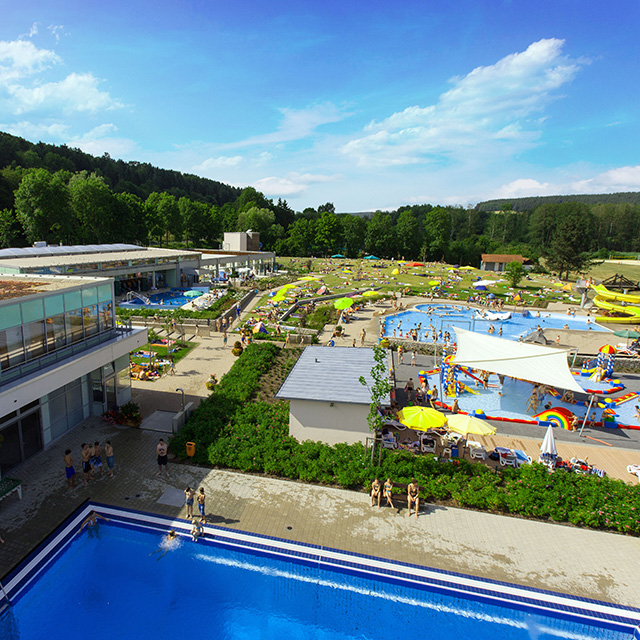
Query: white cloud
[[611, 181], [220, 161], [293, 184], [21, 58], [76, 92], [100, 140], [37, 131], [490, 109], [297, 124], [57, 30]]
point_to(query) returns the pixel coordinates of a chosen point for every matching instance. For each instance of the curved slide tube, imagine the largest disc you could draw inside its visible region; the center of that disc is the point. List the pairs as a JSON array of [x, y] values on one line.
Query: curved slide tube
[[606, 299]]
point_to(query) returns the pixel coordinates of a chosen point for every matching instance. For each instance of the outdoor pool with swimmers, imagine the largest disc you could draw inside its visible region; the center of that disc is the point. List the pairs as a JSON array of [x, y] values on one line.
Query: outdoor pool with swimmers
[[105, 583], [444, 317], [172, 299]]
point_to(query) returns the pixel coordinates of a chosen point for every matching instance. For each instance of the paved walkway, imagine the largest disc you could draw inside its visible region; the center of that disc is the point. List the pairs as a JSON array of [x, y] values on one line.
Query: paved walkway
[[587, 563]]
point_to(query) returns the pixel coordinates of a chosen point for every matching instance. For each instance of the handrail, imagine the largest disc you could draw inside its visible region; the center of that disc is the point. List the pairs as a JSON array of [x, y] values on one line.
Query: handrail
[[134, 294], [5, 594]]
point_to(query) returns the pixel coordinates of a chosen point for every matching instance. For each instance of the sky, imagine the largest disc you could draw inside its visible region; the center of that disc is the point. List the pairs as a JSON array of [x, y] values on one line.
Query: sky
[[368, 105]]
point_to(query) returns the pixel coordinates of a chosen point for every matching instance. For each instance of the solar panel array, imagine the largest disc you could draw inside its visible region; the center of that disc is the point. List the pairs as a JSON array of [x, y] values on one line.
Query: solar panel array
[[57, 250]]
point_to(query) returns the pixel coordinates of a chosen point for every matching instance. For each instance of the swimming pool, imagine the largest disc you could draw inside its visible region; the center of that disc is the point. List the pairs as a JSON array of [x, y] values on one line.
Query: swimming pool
[[444, 317], [104, 584]]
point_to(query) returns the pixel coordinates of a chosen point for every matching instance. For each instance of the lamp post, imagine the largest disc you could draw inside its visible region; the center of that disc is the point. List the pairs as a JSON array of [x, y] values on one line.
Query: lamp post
[[182, 392]]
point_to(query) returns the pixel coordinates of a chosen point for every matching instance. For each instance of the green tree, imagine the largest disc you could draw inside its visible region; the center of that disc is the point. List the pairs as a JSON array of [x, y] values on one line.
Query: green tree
[[164, 216], [94, 207], [328, 232], [380, 238], [301, 236], [572, 240], [353, 232], [9, 228], [42, 206], [194, 219], [408, 234], [380, 388], [514, 272], [437, 224], [130, 219], [214, 226]]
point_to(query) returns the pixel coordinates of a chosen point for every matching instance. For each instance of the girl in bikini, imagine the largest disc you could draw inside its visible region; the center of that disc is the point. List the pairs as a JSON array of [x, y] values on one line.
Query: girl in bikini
[[375, 491]]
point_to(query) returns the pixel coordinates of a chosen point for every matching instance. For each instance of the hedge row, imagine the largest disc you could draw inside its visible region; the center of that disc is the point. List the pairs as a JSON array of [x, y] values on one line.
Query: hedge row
[[233, 433]]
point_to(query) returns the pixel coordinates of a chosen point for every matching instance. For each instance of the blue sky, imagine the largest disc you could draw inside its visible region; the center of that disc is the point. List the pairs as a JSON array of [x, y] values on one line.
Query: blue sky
[[368, 105]]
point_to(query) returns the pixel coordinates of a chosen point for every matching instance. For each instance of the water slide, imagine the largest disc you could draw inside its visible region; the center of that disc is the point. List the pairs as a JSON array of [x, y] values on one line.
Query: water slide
[[606, 299]]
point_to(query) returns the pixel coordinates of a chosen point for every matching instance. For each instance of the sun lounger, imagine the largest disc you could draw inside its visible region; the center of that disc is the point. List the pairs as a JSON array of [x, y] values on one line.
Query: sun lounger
[[508, 459], [389, 441], [8, 486], [476, 450], [635, 469]]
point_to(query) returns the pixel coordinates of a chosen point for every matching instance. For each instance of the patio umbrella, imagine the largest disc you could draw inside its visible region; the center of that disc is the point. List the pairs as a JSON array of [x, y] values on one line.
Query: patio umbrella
[[337, 255], [607, 349], [309, 278], [467, 268], [370, 258], [549, 444], [627, 333], [466, 425], [370, 293], [395, 272], [491, 296], [192, 294], [343, 303], [421, 418]]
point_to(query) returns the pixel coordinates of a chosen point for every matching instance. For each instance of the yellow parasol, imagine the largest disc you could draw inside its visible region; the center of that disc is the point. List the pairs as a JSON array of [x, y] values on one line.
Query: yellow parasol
[[466, 425], [421, 418]]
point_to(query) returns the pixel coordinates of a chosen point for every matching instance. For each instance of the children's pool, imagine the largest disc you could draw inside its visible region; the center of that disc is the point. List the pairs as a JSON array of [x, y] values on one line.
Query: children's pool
[[443, 317], [105, 584]]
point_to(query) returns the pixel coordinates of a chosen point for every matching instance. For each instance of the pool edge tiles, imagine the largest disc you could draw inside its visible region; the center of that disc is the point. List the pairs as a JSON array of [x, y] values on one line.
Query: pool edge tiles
[[569, 608]]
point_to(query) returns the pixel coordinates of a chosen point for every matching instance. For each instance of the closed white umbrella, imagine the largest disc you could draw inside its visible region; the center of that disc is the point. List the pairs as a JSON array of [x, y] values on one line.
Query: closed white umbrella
[[548, 448]]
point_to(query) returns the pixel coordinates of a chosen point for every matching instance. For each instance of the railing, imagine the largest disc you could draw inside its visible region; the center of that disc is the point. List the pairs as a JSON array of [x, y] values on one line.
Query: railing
[[4, 593], [25, 368], [134, 294]]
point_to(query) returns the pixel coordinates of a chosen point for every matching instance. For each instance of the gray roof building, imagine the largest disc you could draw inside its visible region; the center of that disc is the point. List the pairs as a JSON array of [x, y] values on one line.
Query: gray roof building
[[330, 374]]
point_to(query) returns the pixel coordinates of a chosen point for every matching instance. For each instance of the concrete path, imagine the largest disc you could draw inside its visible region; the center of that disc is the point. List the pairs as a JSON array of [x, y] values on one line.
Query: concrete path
[[586, 563]]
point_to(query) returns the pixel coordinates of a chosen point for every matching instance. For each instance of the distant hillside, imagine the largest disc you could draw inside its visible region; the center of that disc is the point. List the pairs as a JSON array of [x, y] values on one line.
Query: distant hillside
[[139, 178], [531, 203]]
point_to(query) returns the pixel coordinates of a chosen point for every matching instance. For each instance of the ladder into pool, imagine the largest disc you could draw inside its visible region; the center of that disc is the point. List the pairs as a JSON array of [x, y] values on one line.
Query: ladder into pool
[[134, 294]]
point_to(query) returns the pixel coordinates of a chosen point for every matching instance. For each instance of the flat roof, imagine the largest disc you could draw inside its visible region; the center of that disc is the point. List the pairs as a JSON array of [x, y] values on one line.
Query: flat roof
[[54, 260], [330, 374], [14, 286]]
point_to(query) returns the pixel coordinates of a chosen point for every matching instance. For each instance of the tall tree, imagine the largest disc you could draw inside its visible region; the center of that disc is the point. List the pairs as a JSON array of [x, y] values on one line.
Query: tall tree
[[437, 224], [380, 238], [165, 213], [328, 232], [43, 207], [409, 235], [353, 232], [95, 208]]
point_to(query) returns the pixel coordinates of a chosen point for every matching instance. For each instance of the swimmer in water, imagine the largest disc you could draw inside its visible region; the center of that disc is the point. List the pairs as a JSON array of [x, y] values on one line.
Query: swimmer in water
[[169, 542]]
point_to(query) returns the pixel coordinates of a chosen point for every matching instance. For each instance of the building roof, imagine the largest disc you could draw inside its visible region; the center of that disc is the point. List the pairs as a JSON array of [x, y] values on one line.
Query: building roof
[[14, 286], [330, 374], [106, 258], [503, 257]]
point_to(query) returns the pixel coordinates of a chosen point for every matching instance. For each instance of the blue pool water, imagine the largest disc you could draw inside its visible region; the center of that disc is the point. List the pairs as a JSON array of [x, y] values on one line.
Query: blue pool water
[[167, 300], [106, 585], [444, 317]]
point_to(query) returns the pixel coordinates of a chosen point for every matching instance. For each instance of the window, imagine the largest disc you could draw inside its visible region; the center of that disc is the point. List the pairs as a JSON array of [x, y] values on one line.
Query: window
[[34, 339], [74, 325], [11, 347], [56, 333]]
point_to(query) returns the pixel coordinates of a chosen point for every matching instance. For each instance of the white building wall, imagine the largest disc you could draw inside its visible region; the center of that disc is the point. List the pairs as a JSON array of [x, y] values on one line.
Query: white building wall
[[329, 422]]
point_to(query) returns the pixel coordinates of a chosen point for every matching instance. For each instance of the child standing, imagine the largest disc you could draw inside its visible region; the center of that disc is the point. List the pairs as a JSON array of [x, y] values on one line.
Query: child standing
[[201, 499], [70, 471], [189, 494]]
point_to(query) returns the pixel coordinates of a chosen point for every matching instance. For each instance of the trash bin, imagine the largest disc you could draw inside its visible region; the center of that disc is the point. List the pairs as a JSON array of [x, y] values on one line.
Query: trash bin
[[191, 449]]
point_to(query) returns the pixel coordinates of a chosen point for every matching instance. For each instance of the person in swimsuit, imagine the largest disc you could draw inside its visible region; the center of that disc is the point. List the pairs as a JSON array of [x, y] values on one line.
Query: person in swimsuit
[[97, 457], [189, 493], [92, 457], [201, 498], [108, 451], [70, 471], [388, 486], [87, 471], [168, 542], [376, 493], [412, 496], [91, 521], [162, 451], [197, 531]]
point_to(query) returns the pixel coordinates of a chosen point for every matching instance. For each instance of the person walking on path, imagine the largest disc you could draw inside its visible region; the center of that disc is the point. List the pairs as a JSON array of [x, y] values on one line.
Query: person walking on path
[[172, 367], [69, 469], [162, 451], [363, 335], [108, 452], [225, 338], [201, 499], [413, 358]]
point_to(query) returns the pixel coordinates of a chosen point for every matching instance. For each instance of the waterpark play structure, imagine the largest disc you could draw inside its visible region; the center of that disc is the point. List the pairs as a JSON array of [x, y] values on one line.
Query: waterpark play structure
[[624, 303], [557, 407]]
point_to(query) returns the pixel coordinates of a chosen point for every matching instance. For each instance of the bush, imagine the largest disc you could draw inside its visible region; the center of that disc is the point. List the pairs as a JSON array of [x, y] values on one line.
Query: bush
[[232, 432]]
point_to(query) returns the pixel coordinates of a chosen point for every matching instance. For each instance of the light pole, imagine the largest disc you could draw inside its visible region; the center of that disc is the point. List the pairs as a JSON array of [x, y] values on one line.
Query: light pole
[[182, 392]]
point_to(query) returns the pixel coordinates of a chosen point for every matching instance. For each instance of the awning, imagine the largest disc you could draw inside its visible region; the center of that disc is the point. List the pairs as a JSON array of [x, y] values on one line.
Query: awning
[[532, 362]]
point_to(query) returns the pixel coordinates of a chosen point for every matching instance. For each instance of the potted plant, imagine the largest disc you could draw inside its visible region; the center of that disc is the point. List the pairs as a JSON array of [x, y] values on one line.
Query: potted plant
[[237, 348], [130, 414]]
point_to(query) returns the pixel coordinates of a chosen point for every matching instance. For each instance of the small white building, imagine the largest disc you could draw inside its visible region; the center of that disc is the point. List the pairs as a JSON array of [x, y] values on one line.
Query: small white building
[[241, 241], [327, 401]]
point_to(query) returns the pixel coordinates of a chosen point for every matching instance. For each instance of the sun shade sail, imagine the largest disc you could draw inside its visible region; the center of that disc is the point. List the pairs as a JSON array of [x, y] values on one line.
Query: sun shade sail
[[532, 362]]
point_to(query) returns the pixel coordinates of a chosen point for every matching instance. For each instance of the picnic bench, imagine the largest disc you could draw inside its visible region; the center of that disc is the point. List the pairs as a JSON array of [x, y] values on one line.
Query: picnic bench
[[8, 486]]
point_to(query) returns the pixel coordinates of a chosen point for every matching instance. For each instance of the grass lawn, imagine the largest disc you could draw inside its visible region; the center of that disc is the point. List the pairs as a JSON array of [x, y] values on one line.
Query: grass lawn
[[162, 352], [630, 269]]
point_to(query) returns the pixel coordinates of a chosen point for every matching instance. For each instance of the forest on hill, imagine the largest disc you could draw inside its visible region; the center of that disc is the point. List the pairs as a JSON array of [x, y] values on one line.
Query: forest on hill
[[62, 195], [533, 202]]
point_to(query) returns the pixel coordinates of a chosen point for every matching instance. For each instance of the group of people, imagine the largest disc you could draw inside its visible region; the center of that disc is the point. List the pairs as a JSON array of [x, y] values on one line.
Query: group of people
[[91, 459], [379, 491]]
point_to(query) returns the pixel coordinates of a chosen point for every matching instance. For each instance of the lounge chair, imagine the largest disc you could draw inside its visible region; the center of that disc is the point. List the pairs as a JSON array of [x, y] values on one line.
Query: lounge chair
[[476, 450], [389, 441], [427, 445], [508, 459]]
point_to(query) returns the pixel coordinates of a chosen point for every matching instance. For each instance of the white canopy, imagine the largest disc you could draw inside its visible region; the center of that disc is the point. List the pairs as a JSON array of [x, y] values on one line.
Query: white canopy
[[532, 362], [549, 444]]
